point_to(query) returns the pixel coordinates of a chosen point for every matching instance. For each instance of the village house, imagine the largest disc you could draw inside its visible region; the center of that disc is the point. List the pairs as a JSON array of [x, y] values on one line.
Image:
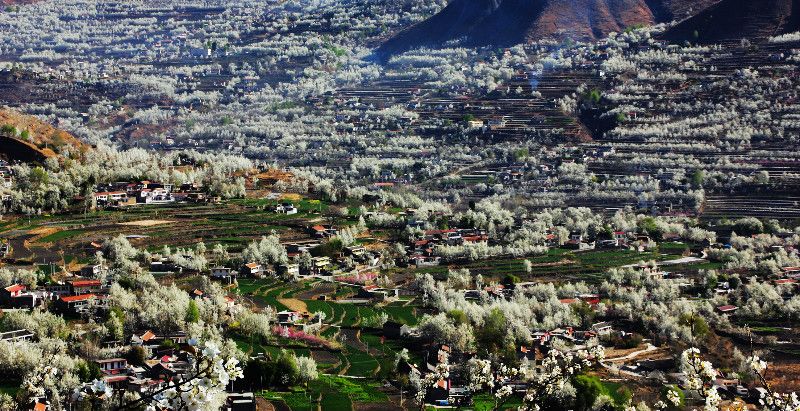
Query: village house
[[74, 304], [224, 274], [155, 196], [164, 266], [58, 289], [289, 270], [168, 367], [151, 339], [362, 255], [602, 328], [393, 329], [375, 293], [112, 366], [436, 355], [241, 402], [84, 286], [111, 198], [497, 122], [16, 336], [289, 317], [286, 208], [17, 296], [578, 242], [252, 270], [320, 231], [525, 353], [92, 271], [7, 294], [320, 264], [425, 261], [621, 238], [143, 338]]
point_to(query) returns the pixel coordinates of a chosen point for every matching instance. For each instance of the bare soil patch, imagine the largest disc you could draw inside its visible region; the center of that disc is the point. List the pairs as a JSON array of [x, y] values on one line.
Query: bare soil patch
[[294, 304], [320, 289], [324, 357], [384, 406], [146, 223], [565, 261]]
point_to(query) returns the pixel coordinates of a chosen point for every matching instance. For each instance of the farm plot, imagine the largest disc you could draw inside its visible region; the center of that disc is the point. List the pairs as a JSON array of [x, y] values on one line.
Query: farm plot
[[557, 265], [330, 393], [265, 292]]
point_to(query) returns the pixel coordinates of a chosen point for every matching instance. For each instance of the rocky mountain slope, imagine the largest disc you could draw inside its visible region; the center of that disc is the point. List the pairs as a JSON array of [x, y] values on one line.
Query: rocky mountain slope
[[506, 22], [736, 19]]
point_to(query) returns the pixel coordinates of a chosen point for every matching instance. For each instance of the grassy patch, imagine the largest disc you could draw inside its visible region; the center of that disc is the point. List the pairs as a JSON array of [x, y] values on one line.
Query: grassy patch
[[61, 235], [485, 402], [336, 393], [361, 364], [336, 401], [9, 387]]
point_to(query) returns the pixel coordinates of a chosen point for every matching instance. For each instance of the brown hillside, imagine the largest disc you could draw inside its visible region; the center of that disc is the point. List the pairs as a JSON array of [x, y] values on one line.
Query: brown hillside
[[45, 138], [736, 19], [589, 19], [508, 22]]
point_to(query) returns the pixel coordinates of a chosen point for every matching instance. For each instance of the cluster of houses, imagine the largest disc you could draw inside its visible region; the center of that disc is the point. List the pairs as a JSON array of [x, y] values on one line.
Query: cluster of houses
[[82, 296], [6, 175], [421, 251], [71, 297], [165, 364], [454, 391], [123, 194], [352, 260]]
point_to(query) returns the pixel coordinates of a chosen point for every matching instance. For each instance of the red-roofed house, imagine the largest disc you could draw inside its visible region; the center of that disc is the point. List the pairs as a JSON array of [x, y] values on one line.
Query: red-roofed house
[[150, 338], [144, 338], [591, 299], [10, 292], [321, 231], [73, 304], [84, 286], [727, 309]]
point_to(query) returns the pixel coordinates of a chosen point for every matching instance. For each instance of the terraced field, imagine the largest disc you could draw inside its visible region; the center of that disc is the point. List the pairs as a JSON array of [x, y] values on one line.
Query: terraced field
[[363, 354], [558, 265]]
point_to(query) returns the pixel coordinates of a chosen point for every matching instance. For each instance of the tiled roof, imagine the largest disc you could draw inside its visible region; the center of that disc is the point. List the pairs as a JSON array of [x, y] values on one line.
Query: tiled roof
[[74, 298]]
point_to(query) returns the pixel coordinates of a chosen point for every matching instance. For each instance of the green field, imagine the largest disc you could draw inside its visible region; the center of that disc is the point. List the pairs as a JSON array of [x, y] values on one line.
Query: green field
[[557, 263], [331, 392], [61, 235]]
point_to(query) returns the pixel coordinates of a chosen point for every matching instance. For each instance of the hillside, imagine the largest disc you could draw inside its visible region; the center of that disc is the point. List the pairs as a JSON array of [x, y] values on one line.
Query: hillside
[[42, 138], [507, 22], [736, 19]]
